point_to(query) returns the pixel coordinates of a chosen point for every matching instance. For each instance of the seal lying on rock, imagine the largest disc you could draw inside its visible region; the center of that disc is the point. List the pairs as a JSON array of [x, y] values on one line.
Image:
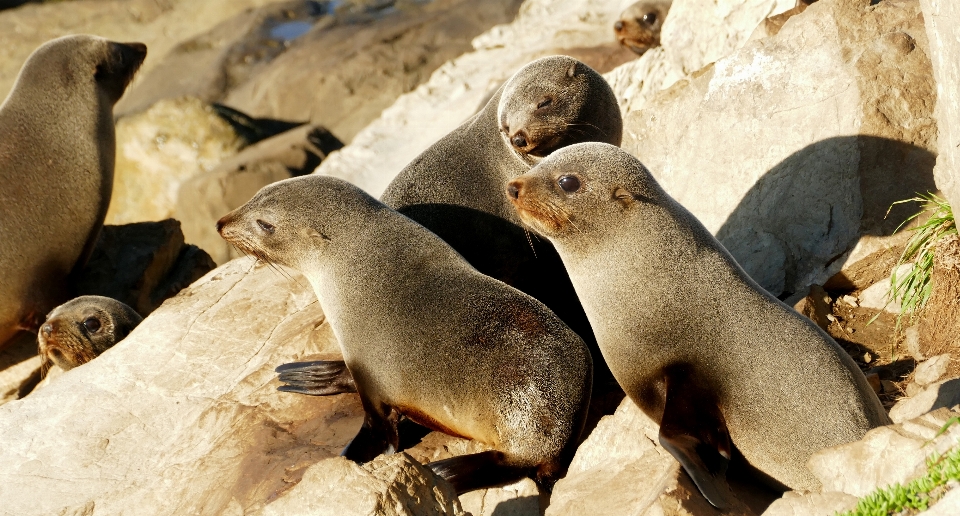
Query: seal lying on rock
[[81, 329], [424, 334], [56, 167], [696, 343], [455, 189], [639, 25]]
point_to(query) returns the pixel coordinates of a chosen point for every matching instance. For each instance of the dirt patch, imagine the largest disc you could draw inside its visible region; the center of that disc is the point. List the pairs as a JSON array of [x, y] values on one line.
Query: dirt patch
[[940, 324]]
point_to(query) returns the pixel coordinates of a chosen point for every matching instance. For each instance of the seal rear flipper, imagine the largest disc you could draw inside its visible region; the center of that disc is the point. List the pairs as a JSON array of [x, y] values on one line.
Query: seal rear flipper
[[478, 471], [694, 431], [317, 378]]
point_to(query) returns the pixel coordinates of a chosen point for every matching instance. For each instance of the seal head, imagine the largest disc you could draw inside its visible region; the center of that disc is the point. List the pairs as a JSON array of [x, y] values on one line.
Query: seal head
[[81, 329], [638, 28]]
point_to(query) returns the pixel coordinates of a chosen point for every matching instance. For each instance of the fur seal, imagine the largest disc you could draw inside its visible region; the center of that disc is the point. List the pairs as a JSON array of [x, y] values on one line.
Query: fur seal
[[424, 334], [692, 339], [455, 189], [638, 28], [81, 329], [56, 166]]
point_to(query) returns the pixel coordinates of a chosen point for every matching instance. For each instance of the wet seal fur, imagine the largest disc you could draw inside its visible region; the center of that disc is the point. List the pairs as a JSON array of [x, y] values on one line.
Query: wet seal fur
[[56, 166], [424, 335], [81, 329], [638, 28], [700, 347]]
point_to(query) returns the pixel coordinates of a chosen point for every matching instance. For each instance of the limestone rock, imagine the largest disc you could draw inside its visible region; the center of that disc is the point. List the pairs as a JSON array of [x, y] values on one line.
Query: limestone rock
[[159, 24], [942, 17], [389, 485], [931, 370], [161, 148], [204, 198], [813, 504], [939, 395], [621, 469], [949, 505], [877, 296], [518, 499], [183, 416], [142, 264], [769, 128], [350, 67], [886, 455]]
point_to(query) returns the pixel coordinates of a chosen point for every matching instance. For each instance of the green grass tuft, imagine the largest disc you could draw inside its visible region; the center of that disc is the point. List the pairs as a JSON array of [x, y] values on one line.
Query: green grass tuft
[[912, 290], [918, 495]]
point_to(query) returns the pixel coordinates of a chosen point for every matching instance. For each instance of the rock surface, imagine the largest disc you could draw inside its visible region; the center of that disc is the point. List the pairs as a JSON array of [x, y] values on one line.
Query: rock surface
[[161, 24], [159, 149], [942, 17], [945, 394], [769, 127], [182, 416], [389, 485]]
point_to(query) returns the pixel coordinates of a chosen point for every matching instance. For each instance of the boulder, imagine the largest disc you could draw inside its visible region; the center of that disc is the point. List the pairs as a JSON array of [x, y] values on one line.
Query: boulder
[[949, 505], [159, 149], [159, 24], [206, 197], [942, 17], [945, 394], [182, 417], [805, 138], [389, 485], [886, 455], [812, 504], [352, 65]]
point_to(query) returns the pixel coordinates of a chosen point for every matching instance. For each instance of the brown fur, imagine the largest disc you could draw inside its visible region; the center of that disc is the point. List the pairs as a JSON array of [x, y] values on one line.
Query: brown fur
[[68, 340], [56, 167], [661, 292], [638, 28], [422, 332]]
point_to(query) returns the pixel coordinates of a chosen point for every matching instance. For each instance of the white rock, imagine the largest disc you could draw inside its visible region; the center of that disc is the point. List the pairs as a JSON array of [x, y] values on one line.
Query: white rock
[[939, 395], [814, 504], [389, 485], [931, 370], [886, 455], [877, 296], [949, 505], [183, 416], [942, 17], [518, 499], [764, 146]]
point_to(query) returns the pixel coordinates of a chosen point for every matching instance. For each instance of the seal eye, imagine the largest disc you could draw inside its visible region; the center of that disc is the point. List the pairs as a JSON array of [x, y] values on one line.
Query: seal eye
[[544, 103], [519, 141], [92, 324], [266, 226], [569, 184], [650, 18]]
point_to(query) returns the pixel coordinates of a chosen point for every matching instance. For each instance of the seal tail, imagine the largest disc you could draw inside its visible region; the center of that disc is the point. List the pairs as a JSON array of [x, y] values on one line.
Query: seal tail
[[478, 471], [317, 378]]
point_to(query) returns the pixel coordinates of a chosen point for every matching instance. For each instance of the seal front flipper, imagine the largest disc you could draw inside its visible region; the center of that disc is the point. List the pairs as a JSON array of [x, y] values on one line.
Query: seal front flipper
[[478, 471], [694, 432], [377, 436], [317, 378]]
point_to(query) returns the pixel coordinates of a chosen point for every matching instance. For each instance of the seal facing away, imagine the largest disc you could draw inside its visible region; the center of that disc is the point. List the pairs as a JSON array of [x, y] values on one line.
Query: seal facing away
[[424, 335], [81, 329], [639, 25], [56, 167], [699, 346]]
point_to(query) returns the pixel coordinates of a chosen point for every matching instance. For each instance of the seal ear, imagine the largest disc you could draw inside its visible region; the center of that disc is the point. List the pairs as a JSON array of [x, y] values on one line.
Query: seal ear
[[572, 71], [313, 233], [624, 197]]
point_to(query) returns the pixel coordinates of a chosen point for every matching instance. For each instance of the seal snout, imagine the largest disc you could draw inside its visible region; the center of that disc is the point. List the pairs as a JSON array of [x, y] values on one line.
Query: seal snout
[[48, 328]]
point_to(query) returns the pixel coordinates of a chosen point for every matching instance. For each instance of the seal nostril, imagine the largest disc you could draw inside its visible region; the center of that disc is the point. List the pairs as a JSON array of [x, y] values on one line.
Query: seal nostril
[[220, 223], [618, 26], [519, 141], [513, 190]]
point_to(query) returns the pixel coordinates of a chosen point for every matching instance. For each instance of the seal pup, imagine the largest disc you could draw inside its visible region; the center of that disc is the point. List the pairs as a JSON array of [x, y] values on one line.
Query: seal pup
[[424, 335], [700, 347], [56, 166], [455, 189], [81, 329], [638, 28]]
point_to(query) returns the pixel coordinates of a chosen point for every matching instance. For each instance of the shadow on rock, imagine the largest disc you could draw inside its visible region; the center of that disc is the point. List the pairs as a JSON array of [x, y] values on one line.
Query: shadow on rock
[[803, 215]]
